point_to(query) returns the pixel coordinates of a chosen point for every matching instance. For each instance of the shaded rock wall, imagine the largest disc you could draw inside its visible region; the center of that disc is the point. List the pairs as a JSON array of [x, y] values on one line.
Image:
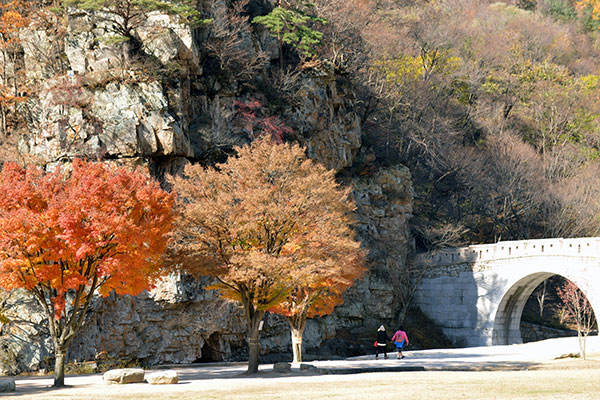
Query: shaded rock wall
[[172, 324], [25, 342]]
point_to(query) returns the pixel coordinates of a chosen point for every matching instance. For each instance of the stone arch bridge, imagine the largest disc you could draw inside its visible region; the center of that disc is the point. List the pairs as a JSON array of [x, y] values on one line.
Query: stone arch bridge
[[477, 293]]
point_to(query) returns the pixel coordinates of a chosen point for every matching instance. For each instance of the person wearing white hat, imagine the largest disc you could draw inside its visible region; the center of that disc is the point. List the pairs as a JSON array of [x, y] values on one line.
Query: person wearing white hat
[[381, 342]]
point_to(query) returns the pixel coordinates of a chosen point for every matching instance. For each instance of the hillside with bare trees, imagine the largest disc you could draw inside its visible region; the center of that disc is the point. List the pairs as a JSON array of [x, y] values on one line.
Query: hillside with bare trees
[[493, 106]]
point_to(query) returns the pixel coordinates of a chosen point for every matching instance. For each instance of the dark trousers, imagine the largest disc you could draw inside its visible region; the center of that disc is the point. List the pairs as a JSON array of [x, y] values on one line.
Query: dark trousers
[[381, 349]]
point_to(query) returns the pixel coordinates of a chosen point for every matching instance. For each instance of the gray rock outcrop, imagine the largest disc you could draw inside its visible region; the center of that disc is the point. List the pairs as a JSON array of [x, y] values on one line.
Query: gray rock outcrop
[[177, 323], [99, 109], [25, 342]]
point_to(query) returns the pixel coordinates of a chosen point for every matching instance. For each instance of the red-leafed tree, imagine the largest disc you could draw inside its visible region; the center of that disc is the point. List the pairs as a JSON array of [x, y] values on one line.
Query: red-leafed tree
[[259, 223], [249, 116], [578, 311], [65, 237]]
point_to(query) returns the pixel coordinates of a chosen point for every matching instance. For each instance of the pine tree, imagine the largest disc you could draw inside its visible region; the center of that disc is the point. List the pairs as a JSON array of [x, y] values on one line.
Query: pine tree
[[295, 27]]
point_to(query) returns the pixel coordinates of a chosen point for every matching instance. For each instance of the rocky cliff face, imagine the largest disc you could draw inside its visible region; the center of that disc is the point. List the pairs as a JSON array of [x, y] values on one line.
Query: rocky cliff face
[[166, 110], [25, 342], [162, 109]]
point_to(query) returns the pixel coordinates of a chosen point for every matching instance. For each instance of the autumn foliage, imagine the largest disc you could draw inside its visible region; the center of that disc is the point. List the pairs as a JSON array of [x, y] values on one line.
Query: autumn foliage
[[593, 5], [249, 116], [66, 236], [264, 224], [13, 19], [317, 293], [319, 284]]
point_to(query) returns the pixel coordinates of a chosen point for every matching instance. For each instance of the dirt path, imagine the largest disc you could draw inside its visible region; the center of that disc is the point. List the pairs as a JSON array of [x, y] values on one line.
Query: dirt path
[[499, 372], [540, 384]]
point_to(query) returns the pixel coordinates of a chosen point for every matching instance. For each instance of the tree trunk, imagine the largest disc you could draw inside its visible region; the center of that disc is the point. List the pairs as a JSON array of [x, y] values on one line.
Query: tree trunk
[[541, 297], [297, 345], [581, 337], [127, 48], [280, 43], [280, 46], [5, 84], [3, 118], [297, 325], [59, 366], [253, 341]]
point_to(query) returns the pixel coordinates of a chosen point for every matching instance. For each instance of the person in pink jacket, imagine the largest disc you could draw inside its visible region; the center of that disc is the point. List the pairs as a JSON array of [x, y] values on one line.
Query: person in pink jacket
[[400, 339]]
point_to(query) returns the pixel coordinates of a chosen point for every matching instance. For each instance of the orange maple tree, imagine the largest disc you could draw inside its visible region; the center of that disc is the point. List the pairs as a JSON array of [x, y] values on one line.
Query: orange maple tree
[[261, 223], [319, 285], [65, 237]]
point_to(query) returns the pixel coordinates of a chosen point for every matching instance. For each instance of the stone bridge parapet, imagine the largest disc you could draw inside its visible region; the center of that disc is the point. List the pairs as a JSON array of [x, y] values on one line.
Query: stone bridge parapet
[[477, 293], [578, 247]]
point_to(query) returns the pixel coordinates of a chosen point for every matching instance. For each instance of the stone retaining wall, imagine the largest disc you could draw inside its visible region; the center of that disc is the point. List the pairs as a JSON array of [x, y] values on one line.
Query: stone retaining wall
[[534, 332]]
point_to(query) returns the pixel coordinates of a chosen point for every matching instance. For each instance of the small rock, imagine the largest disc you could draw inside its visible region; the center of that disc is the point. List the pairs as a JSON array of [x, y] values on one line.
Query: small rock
[[282, 367], [7, 385], [163, 377], [124, 375], [307, 367]]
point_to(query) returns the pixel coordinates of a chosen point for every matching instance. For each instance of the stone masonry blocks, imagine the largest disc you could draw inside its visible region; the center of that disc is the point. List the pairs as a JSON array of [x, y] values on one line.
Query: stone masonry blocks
[[487, 296]]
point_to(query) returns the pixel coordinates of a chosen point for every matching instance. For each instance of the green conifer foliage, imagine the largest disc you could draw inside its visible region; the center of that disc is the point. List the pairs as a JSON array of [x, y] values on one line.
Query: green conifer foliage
[[294, 27]]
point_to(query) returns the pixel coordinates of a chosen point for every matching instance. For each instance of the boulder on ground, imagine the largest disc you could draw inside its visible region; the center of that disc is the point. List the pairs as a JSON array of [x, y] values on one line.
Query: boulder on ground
[[282, 367], [307, 367], [166, 377], [7, 385], [124, 375]]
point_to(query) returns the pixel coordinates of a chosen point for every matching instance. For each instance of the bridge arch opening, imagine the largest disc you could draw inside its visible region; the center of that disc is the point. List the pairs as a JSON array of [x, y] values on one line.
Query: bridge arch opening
[[507, 322]]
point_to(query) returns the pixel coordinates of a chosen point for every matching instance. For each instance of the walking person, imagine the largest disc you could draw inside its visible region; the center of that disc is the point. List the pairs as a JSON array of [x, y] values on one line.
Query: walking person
[[381, 342], [400, 339]]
